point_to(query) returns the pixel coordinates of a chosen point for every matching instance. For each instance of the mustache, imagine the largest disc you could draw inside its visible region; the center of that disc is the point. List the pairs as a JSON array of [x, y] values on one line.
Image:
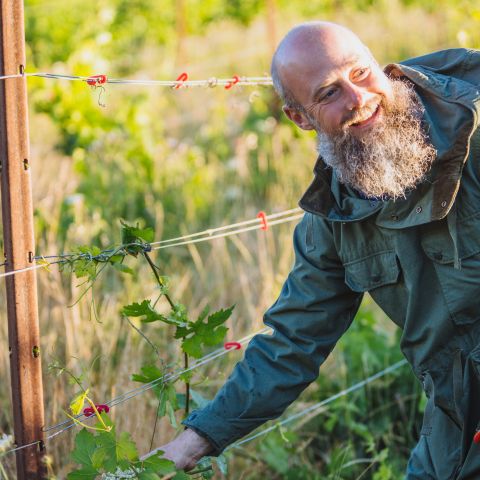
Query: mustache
[[361, 114]]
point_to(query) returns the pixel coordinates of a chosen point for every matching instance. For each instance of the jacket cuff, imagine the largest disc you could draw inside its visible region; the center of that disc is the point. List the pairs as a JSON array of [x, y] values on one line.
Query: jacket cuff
[[220, 431], [210, 427]]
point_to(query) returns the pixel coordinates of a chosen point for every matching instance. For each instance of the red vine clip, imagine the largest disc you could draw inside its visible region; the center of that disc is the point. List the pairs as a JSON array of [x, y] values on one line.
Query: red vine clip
[[89, 411], [232, 346], [233, 82], [263, 219], [182, 78], [476, 437], [96, 80]]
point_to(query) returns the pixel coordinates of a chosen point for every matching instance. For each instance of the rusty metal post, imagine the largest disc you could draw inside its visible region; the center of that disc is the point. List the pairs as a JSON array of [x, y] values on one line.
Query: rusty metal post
[[17, 211]]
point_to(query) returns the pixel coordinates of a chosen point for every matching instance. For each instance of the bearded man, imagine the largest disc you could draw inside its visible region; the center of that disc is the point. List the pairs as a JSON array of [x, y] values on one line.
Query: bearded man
[[393, 210]]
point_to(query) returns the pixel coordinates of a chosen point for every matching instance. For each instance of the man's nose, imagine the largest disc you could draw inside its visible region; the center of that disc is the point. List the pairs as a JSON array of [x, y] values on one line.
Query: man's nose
[[357, 97]]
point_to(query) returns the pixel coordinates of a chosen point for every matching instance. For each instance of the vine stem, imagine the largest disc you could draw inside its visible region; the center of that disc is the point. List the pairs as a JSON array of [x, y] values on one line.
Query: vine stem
[[154, 269], [157, 277], [187, 388]]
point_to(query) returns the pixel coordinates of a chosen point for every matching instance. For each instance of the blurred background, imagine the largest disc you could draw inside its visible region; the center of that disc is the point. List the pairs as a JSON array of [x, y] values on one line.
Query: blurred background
[[185, 160]]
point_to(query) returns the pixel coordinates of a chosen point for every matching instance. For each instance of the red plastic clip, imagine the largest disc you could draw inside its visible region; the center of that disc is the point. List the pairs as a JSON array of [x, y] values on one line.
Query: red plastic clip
[[263, 218], [183, 77], [89, 411], [233, 82], [95, 80], [232, 346], [476, 437]]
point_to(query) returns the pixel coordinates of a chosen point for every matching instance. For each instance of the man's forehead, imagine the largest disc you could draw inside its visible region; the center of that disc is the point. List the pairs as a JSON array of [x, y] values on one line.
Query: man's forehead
[[345, 62], [322, 67]]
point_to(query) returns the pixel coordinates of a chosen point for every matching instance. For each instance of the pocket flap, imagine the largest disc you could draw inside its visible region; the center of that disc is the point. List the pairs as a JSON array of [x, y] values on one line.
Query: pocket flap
[[372, 272], [438, 244]]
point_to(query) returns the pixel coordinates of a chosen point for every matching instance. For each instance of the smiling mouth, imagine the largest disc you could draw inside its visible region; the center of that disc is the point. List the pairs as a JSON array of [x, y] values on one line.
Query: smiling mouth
[[368, 120]]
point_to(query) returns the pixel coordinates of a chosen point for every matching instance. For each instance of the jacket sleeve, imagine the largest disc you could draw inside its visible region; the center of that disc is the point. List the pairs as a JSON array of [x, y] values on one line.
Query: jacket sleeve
[[314, 309]]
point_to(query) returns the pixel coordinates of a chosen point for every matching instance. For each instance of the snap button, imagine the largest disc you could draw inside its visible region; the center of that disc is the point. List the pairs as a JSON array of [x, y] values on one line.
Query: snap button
[[394, 217], [443, 204], [376, 278], [418, 209], [437, 256]]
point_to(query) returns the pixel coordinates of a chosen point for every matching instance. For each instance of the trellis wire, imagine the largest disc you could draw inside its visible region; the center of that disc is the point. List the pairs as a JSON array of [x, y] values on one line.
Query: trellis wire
[[210, 82], [319, 405], [291, 418], [227, 234], [312, 408], [166, 378], [206, 235], [68, 424]]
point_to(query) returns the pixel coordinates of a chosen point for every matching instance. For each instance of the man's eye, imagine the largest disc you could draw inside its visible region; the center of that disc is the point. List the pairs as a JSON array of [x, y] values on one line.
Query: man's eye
[[361, 73], [329, 93]]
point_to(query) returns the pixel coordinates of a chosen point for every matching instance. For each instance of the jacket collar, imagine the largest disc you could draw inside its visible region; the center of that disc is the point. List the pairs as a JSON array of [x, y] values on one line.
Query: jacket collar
[[452, 109]]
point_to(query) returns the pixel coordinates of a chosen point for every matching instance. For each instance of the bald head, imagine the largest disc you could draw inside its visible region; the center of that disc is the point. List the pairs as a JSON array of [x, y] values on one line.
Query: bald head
[[306, 47]]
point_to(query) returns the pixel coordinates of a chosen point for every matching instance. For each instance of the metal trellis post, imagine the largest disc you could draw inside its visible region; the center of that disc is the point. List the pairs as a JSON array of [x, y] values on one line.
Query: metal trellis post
[[17, 211]]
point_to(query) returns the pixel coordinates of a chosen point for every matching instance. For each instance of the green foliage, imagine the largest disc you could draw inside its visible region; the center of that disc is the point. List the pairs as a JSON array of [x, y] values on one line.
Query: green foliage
[[135, 234], [200, 334], [194, 335], [109, 452], [105, 451]]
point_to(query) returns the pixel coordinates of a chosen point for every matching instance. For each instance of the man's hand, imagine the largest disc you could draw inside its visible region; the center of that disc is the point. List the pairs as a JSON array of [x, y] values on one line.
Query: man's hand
[[186, 450]]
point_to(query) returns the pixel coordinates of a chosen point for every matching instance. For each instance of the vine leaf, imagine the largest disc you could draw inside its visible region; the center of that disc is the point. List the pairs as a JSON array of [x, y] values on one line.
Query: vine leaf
[[135, 234], [84, 454], [85, 473], [149, 373], [148, 313], [119, 452], [201, 333]]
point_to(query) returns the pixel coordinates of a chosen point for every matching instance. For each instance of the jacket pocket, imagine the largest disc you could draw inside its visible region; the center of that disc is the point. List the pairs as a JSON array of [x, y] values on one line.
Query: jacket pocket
[[437, 242], [460, 286], [371, 272]]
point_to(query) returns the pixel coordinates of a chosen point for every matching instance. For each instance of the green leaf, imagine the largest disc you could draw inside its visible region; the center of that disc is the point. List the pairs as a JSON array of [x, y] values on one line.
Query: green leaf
[[181, 476], [85, 447], [182, 332], [131, 234], [159, 464], [193, 346], [108, 446], [146, 310], [222, 463], [199, 400], [186, 376], [216, 336], [126, 448], [116, 258], [220, 317], [85, 473], [150, 373], [77, 403], [172, 395], [171, 415], [123, 268], [148, 476], [162, 406]]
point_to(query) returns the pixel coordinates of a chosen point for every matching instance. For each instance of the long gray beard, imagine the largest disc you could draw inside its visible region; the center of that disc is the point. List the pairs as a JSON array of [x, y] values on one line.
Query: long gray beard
[[390, 159]]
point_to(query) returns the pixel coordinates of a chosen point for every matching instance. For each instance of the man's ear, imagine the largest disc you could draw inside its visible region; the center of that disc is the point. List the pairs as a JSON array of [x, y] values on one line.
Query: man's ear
[[298, 118]]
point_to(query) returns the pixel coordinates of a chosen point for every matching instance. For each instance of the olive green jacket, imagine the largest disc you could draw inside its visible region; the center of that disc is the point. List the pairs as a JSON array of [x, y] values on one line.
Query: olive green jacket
[[419, 258]]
